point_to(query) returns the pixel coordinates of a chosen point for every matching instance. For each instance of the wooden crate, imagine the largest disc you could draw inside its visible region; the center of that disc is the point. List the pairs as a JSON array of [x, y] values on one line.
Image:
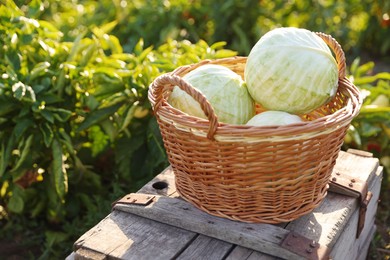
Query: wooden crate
[[156, 223]]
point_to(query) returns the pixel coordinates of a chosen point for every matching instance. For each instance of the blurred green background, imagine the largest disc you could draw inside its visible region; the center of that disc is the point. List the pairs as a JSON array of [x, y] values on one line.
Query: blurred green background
[[77, 130]]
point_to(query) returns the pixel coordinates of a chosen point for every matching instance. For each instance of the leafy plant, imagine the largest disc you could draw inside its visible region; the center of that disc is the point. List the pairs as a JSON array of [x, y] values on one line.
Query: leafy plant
[[360, 26], [76, 122], [370, 131]]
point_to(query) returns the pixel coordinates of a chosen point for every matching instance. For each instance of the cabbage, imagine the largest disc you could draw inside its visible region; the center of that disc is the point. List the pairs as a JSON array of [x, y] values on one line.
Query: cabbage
[[223, 88], [291, 70], [268, 118]]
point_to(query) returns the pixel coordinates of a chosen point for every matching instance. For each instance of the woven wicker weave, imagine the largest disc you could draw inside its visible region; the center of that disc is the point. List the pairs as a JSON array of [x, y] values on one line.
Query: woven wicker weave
[[250, 173]]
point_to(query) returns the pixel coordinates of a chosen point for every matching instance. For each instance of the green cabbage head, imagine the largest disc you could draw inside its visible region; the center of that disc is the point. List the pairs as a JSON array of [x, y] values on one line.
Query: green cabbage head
[[273, 118], [224, 89], [292, 70]]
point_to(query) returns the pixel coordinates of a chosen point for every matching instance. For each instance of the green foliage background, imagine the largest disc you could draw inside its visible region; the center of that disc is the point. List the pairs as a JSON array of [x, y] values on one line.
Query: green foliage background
[[77, 130]]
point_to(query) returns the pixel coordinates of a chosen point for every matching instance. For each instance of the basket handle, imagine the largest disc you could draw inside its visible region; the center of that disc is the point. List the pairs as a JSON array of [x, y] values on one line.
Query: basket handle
[[338, 51], [166, 82]]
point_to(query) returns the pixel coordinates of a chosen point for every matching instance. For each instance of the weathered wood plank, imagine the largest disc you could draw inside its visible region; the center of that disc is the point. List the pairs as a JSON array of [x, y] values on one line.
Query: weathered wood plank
[[363, 251], [71, 256], [88, 254], [325, 222], [107, 234], [360, 167], [260, 256], [239, 252], [242, 253], [127, 236], [152, 240], [157, 184], [260, 237], [204, 247], [347, 246]]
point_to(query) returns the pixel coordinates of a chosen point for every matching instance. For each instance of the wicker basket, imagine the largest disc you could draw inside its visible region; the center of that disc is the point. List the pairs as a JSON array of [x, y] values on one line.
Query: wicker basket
[[251, 173]]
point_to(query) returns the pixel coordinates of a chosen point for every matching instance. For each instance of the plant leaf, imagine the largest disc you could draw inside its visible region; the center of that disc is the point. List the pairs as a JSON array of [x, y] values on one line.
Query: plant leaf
[[62, 115], [25, 152], [155, 143], [39, 70], [14, 60], [6, 149], [224, 54], [16, 202], [98, 115], [47, 133], [47, 115], [21, 126], [128, 117], [58, 170], [6, 106]]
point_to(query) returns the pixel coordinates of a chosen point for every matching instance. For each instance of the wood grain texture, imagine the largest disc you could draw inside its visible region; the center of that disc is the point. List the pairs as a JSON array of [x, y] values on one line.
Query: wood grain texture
[[360, 167], [349, 247], [85, 254], [204, 247], [247, 254], [127, 236], [179, 213], [362, 253], [239, 252], [154, 186]]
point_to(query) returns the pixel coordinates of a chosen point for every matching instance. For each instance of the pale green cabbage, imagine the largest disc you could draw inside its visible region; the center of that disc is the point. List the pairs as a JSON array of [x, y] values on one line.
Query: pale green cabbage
[[292, 70], [224, 89], [274, 118]]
